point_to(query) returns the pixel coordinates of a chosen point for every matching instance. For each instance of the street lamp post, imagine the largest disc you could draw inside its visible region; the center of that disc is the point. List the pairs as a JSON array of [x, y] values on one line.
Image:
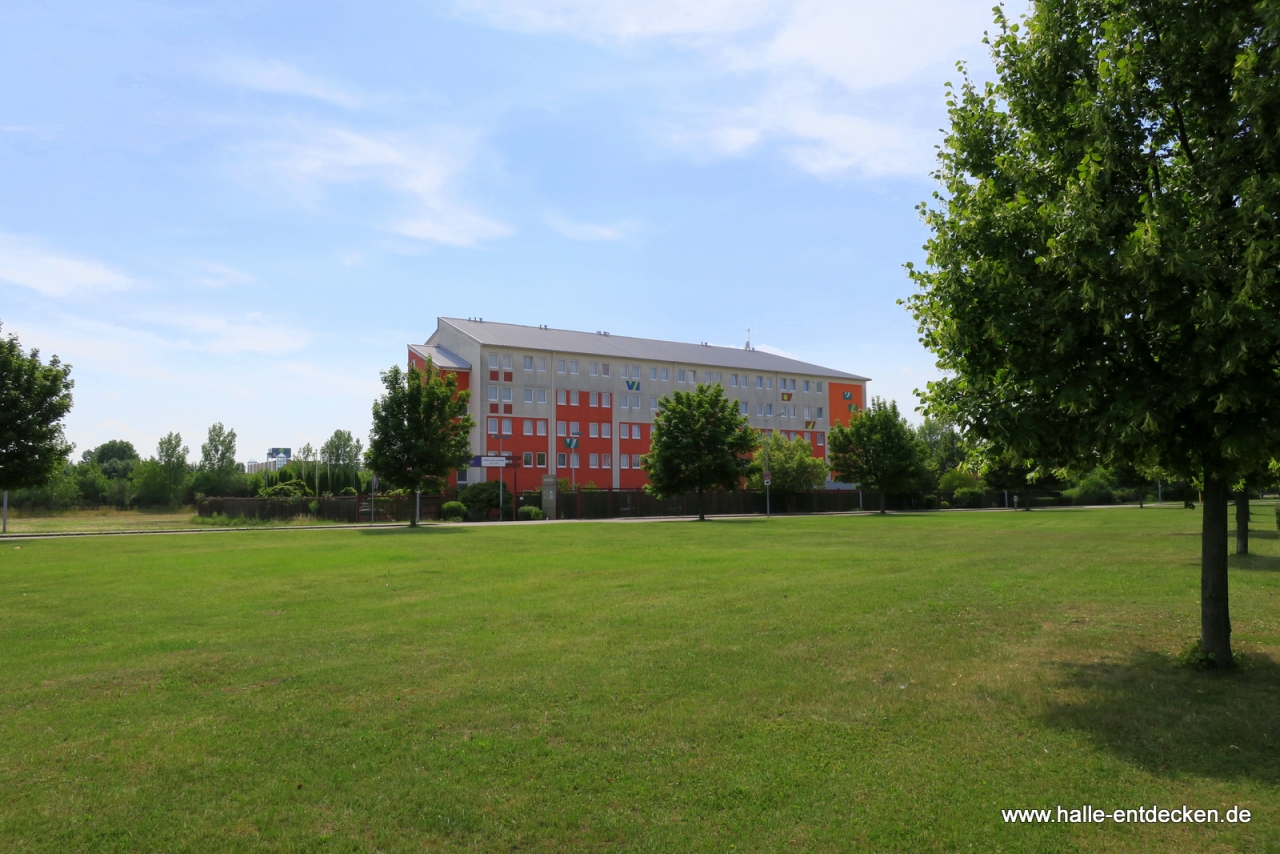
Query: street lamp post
[[767, 478]]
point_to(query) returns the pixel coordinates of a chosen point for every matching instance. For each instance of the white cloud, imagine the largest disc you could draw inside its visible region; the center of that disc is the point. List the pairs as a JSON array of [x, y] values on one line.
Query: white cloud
[[26, 262], [214, 275], [829, 77], [280, 78], [229, 335], [585, 230], [423, 172]]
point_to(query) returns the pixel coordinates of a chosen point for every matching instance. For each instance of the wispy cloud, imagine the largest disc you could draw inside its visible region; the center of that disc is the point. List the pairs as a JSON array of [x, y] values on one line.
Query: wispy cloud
[[228, 334], [211, 274], [586, 230], [424, 173], [281, 78], [828, 76], [25, 261]]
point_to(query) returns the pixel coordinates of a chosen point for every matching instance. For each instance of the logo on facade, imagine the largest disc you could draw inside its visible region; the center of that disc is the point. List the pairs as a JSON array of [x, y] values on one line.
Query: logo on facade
[[809, 425], [786, 395], [848, 395], [633, 385]]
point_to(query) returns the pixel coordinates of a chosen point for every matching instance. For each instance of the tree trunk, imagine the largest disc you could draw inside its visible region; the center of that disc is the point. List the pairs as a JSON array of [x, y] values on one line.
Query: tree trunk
[[1242, 522], [1215, 616], [882, 502]]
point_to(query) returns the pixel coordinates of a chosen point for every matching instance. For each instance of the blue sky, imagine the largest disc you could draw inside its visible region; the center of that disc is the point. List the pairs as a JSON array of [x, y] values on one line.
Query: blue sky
[[242, 211]]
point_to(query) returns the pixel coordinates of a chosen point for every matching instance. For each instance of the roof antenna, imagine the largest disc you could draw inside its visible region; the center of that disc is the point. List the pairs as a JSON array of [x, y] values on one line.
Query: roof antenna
[[748, 346]]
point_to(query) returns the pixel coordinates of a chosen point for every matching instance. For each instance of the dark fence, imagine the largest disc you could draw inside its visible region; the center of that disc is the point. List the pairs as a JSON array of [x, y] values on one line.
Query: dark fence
[[622, 503], [343, 508]]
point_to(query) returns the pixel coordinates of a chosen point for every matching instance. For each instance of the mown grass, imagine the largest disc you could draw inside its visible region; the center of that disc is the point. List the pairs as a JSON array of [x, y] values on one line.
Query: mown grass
[[815, 684]]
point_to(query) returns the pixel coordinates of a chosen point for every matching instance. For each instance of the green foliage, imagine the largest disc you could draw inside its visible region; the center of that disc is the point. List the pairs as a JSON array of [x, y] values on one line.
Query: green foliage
[[956, 479], [418, 437], [348, 490], [945, 450], [699, 442], [792, 466], [34, 398], [149, 484], [94, 485], [1194, 657], [340, 457], [531, 514], [111, 451], [1094, 488], [286, 489], [879, 450], [218, 453], [481, 500], [453, 511], [1103, 280], [969, 496]]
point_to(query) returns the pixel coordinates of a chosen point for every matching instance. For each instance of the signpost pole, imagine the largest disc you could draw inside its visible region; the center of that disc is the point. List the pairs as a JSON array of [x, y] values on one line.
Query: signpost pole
[[4, 526], [767, 508]]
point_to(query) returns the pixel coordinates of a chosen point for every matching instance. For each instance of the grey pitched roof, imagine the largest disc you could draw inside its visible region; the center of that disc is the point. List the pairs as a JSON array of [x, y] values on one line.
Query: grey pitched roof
[[441, 357], [641, 349]]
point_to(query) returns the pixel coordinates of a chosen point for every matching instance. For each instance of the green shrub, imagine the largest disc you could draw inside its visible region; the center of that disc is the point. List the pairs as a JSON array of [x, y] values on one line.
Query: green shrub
[[1094, 489], [955, 480], [286, 489], [944, 504], [531, 514], [482, 500], [453, 511], [348, 490], [314, 507], [969, 496]]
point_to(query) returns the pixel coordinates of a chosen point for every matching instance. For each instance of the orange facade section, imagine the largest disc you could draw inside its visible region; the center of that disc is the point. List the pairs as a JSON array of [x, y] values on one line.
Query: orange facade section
[[843, 401]]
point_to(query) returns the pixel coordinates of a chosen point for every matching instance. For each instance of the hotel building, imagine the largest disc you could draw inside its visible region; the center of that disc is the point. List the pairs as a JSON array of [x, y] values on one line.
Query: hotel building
[[535, 389]]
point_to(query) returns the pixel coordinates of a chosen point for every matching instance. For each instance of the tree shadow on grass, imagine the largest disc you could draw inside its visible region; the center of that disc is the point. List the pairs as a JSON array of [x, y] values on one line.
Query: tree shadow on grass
[[1255, 563], [1168, 719]]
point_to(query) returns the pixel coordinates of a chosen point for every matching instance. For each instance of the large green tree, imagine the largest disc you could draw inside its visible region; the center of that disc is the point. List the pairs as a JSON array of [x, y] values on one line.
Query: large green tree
[[699, 442], [341, 455], [34, 398], [421, 429], [1103, 273], [878, 450]]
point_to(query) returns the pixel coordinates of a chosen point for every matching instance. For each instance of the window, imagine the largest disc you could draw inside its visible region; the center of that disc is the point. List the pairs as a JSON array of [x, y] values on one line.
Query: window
[[528, 395], [506, 362], [542, 427], [562, 396], [528, 426], [493, 393], [493, 426], [573, 461], [783, 413], [807, 412], [819, 388], [594, 369], [606, 430], [593, 399], [693, 376], [624, 402], [733, 380], [573, 429], [624, 461], [542, 395], [635, 461], [666, 374], [606, 461], [742, 407], [793, 412], [624, 431], [635, 372], [560, 461], [820, 439], [493, 361], [635, 401], [653, 374], [528, 458], [653, 403], [542, 364], [759, 382], [542, 459], [635, 431], [768, 382], [768, 409], [759, 409], [680, 375], [593, 461], [819, 413], [806, 437], [806, 385], [559, 366], [506, 394], [560, 429], [606, 399], [573, 398], [719, 377], [593, 430], [573, 369], [528, 363], [506, 426], [604, 369], [462, 475]]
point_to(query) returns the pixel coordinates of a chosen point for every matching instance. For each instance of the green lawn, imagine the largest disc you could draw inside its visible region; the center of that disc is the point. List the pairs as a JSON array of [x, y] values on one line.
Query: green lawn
[[795, 684]]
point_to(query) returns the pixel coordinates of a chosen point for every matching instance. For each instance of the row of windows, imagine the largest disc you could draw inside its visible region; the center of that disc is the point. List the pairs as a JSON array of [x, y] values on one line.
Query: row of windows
[[632, 401], [598, 461], [765, 410], [602, 369], [530, 427]]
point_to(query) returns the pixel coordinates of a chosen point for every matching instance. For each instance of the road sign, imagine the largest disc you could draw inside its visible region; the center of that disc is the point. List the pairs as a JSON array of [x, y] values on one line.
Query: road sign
[[571, 443], [493, 462], [766, 481], [766, 474]]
